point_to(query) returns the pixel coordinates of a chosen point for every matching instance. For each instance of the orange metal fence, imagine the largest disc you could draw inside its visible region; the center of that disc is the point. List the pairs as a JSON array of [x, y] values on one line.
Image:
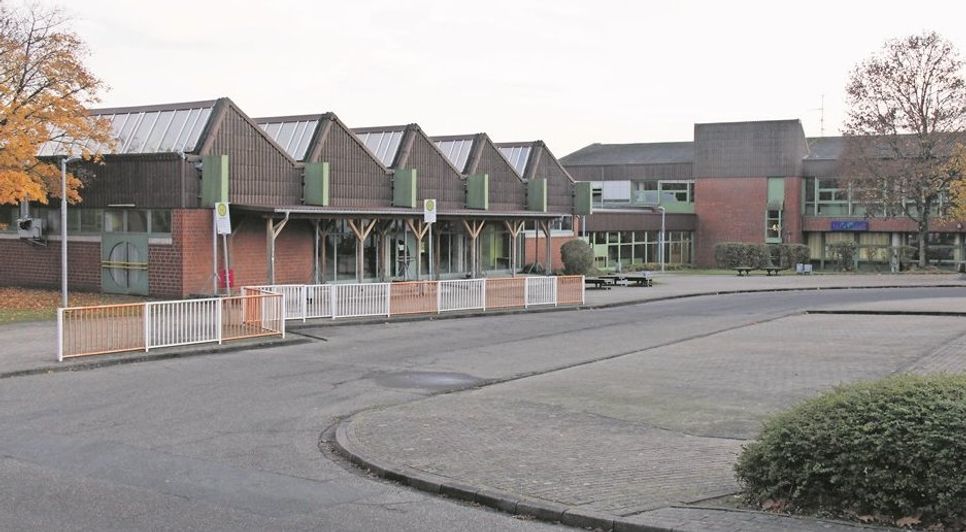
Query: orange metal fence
[[570, 290], [101, 329], [506, 292], [104, 329], [414, 298]]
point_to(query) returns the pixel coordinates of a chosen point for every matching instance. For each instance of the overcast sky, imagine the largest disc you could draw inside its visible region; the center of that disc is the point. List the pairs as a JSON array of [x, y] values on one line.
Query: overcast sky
[[568, 72]]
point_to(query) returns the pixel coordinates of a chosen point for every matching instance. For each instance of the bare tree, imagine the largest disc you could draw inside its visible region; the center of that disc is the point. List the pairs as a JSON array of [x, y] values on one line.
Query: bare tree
[[907, 112]]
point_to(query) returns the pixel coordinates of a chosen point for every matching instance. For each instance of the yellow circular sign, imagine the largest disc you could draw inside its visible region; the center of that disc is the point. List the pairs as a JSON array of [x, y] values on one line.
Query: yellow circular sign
[[222, 209], [430, 205]]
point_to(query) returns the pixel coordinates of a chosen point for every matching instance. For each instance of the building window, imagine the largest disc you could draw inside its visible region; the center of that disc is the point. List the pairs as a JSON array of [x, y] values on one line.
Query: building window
[[680, 191], [773, 226], [153, 221]]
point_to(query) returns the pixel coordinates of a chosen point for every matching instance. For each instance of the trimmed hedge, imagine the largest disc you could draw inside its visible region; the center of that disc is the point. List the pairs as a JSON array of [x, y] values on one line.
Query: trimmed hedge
[[577, 256], [734, 255], [893, 448], [843, 253]]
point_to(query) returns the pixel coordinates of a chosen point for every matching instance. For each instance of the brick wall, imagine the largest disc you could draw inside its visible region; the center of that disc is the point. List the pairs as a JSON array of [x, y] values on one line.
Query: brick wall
[[792, 215], [728, 210], [191, 235], [535, 251], [29, 265]]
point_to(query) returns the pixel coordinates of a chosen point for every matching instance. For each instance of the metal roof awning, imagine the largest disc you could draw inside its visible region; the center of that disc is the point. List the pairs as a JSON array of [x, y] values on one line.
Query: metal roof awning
[[309, 211]]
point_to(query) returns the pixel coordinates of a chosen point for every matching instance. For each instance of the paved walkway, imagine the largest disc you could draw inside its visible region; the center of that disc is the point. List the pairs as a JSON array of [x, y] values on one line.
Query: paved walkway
[[641, 438], [31, 346]]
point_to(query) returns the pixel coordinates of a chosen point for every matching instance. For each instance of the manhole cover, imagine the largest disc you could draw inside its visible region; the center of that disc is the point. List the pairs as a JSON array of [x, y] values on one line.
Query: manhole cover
[[433, 380]]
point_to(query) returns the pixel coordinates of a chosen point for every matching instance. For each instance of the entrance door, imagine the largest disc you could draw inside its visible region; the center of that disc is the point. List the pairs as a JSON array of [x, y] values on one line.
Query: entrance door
[[124, 263]]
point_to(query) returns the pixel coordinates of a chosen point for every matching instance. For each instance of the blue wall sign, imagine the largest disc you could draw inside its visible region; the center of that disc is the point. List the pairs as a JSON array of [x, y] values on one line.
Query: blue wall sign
[[850, 225]]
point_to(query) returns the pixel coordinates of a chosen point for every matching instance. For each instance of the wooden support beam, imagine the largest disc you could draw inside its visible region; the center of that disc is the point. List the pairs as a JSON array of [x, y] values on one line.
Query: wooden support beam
[[514, 227], [361, 229], [545, 227], [474, 228]]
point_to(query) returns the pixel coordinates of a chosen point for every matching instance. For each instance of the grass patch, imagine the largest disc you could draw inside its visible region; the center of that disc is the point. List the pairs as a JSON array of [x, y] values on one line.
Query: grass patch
[[29, 304]]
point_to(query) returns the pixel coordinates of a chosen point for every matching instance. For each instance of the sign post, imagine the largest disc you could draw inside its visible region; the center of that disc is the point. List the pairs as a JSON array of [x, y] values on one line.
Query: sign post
[[429, 217], [223, 228]]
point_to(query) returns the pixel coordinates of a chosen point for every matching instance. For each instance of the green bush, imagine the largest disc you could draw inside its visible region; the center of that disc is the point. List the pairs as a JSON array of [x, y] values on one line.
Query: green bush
[[843, 254], [793, 254], [731, 255], [577, 257], [894, 448]]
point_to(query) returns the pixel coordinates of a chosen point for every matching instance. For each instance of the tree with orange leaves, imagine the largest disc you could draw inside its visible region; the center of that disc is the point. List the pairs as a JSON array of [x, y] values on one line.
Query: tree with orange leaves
[[45, 90]]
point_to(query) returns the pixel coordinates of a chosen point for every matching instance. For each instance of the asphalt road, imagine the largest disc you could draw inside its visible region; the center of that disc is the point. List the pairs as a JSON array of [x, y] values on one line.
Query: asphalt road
[[232, 441]]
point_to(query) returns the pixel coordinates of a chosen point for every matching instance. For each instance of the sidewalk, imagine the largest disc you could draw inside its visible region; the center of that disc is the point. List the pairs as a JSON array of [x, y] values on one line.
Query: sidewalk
[[644, 441], [32, 346]]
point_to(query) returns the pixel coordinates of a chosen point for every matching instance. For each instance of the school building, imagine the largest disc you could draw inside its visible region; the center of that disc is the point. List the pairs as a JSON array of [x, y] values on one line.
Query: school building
[[311, 201], [761, 181]]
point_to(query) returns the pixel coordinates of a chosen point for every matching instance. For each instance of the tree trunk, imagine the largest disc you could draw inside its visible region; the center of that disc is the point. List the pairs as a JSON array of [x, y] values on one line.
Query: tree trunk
[[923, 233]]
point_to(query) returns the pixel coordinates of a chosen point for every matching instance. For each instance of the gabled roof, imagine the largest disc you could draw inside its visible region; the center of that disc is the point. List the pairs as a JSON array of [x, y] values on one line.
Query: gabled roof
[[293, 133], [527, 156], [175, 127], [631, 154], [517, 154], [456, 148], [383, 142]]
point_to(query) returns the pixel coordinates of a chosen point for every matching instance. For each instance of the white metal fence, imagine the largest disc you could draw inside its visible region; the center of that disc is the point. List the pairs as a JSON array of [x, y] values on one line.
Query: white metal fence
[[541, 291], [468, 294], [106, 329], [433, 297]]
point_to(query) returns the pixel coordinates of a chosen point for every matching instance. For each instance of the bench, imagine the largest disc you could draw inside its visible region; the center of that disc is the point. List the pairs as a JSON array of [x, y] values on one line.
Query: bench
[[596, 282], [643, 279], [747, 271]]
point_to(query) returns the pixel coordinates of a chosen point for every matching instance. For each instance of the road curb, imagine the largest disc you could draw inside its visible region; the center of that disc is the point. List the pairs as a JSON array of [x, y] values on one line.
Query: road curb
[[345, 443], [149, 357], [328, 322]]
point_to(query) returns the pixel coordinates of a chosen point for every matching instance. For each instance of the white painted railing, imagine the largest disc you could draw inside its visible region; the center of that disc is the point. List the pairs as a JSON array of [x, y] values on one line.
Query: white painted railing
[[171, 323], [427, 297], [469, 294], [358, 300], [318, 301], [106, 329], [541, 291]]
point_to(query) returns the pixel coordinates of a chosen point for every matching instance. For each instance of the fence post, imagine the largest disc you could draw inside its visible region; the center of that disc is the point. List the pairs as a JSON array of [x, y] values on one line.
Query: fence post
[[147, 326], [583, 289], [218, 317], [280, 305], [483, 288], [439, 296], [304, 293], [389, 299], [60, 335], [554, 287], [334, 299], [526, 292]]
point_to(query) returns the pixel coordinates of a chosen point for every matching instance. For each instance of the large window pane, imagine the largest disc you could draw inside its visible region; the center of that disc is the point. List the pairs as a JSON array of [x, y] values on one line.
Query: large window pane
[[160, 221]]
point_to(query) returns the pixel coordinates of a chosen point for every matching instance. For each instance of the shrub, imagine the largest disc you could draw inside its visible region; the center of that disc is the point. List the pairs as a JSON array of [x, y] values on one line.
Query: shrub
[[793, 254], [731, 255], [577, 257], [843, 253], [894, 448]]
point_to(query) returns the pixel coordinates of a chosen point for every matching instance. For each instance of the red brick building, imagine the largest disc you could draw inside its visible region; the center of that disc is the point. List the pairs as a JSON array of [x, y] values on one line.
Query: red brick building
[[737, 182], [311, 201]]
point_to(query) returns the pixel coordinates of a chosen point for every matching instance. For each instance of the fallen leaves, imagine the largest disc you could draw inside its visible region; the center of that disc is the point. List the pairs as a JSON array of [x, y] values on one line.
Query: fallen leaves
[[25, 304]]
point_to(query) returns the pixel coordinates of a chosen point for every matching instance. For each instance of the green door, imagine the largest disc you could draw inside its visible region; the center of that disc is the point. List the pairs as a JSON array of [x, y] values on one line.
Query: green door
[[124, 263]]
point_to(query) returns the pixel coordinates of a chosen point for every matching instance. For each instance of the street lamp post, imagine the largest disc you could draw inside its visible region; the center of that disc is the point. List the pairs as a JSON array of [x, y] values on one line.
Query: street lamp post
[[661, 239], [63, 228]]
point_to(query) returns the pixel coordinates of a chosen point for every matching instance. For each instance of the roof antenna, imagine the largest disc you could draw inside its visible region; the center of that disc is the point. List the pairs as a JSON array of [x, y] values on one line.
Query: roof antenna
[[822, 119]]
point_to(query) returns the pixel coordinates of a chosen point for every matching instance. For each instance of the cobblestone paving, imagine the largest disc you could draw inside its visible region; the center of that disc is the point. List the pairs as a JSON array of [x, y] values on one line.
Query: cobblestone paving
[[654, 428]]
